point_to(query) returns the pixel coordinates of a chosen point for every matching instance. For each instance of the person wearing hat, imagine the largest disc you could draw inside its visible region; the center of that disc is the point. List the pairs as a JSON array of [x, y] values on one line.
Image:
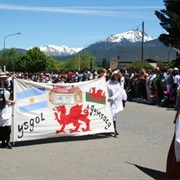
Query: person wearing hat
[[117, 95], [5, 113]]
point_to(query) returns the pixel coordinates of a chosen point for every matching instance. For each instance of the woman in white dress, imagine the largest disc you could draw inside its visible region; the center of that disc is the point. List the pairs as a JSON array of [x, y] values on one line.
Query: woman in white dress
[[5, 114], [117, 95]]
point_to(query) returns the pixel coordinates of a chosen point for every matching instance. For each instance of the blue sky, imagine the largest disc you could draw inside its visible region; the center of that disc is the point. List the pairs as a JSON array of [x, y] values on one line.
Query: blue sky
[[75, 23]]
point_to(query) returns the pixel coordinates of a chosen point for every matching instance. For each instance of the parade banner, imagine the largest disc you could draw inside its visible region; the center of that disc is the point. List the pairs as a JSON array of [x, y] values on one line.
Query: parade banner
[[45, 110]]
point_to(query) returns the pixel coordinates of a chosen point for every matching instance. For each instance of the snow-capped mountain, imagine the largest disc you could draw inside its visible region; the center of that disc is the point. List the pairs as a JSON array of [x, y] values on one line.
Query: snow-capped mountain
[[59, 50], [131, 36], [52, 50]]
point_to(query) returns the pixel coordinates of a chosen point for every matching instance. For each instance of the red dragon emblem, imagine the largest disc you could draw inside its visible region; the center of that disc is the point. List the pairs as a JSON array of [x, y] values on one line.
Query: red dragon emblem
[[75, 115], [98, 95]]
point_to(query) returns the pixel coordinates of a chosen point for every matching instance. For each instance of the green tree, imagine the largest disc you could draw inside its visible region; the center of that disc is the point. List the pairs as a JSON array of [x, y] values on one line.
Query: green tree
[[170, 21], [85, 60], [33, 61], [80, 61], [71, 63], [52, 64], [140, 64], [104, 63], [20, 65], [11, 56], [61, 65], [36, 60]]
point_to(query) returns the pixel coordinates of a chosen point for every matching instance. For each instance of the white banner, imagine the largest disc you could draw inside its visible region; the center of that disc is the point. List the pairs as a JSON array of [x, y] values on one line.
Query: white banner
[[49, 110]]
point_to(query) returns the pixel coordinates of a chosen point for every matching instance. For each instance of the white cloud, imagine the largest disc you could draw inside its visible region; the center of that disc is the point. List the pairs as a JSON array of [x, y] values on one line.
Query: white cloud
[[101, 11]]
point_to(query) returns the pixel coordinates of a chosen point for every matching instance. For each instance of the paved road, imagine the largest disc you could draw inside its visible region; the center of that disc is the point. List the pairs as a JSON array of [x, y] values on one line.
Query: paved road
[[139, 152]]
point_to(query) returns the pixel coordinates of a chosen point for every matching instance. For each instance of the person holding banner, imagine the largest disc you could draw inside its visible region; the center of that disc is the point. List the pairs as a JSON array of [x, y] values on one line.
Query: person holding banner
[[5, 113], [117, 95]]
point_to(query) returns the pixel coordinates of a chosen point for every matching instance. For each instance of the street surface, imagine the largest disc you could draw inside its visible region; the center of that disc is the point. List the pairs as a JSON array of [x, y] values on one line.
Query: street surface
[[139, 152]]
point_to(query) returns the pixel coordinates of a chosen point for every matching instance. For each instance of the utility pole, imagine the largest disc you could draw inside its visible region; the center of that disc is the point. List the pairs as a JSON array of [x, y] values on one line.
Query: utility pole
[[142, 50], [91, 61], [79, 62]]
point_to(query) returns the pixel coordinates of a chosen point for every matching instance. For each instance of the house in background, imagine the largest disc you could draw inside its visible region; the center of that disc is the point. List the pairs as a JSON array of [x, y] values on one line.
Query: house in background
[[115, 63]]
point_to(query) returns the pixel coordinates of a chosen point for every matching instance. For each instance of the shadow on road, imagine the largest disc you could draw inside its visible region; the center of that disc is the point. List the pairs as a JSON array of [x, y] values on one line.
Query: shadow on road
[[155, 174], [61, 139]]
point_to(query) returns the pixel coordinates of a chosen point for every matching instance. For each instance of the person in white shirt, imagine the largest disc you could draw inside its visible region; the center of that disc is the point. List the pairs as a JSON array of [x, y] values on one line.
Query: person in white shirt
[[149, 83], [176, 78], [176, 85], [169, 80], [116, 96], [5, 114]]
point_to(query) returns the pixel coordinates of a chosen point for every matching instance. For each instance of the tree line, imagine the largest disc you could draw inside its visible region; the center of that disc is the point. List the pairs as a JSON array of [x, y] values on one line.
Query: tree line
[[35, 60]]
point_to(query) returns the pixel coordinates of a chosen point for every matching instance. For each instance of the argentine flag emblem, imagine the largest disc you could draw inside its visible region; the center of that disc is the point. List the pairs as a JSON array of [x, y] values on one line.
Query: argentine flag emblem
[[31, 100]]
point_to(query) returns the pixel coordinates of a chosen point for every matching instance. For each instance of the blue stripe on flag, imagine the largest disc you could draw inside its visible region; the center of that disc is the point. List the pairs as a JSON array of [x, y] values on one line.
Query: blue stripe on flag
[[32, 107], [30, 93]]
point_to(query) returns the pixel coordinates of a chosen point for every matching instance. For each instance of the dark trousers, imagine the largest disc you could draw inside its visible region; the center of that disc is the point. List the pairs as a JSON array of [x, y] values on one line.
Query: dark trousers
[[5, 132], [142, 90], [172, 167]]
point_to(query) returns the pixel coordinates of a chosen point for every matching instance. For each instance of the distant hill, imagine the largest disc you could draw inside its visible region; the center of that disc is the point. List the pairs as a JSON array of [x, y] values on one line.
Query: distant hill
[[153, 49]]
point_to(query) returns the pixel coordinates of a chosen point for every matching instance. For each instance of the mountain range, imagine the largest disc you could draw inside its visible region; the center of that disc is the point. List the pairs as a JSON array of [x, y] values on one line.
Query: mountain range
[[132, 36], [53, 50], [126, 46]]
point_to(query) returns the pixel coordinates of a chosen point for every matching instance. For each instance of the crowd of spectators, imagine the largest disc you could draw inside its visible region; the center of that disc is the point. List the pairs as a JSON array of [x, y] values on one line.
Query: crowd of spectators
[[158, 86], [70, 76]]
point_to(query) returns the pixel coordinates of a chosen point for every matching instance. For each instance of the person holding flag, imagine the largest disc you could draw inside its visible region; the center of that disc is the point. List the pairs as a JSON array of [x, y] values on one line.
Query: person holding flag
[[5, 113]]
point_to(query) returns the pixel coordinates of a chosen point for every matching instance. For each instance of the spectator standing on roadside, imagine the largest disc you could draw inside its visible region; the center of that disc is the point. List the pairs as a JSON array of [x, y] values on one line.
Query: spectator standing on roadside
[[176, 84], [160, 85], [150, 83], [5, 113], [169, 80], [69, 76], [176, 74], [9, 85], [122, 80], [109, 73], [142, 84], [116, 96]]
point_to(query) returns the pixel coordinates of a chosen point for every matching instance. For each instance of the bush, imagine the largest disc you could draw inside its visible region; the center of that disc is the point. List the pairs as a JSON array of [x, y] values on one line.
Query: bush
[[140, 64]]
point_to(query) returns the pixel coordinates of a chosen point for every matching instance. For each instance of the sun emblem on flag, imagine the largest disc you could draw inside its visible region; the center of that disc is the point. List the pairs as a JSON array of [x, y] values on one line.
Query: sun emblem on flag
[[31, 100]]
